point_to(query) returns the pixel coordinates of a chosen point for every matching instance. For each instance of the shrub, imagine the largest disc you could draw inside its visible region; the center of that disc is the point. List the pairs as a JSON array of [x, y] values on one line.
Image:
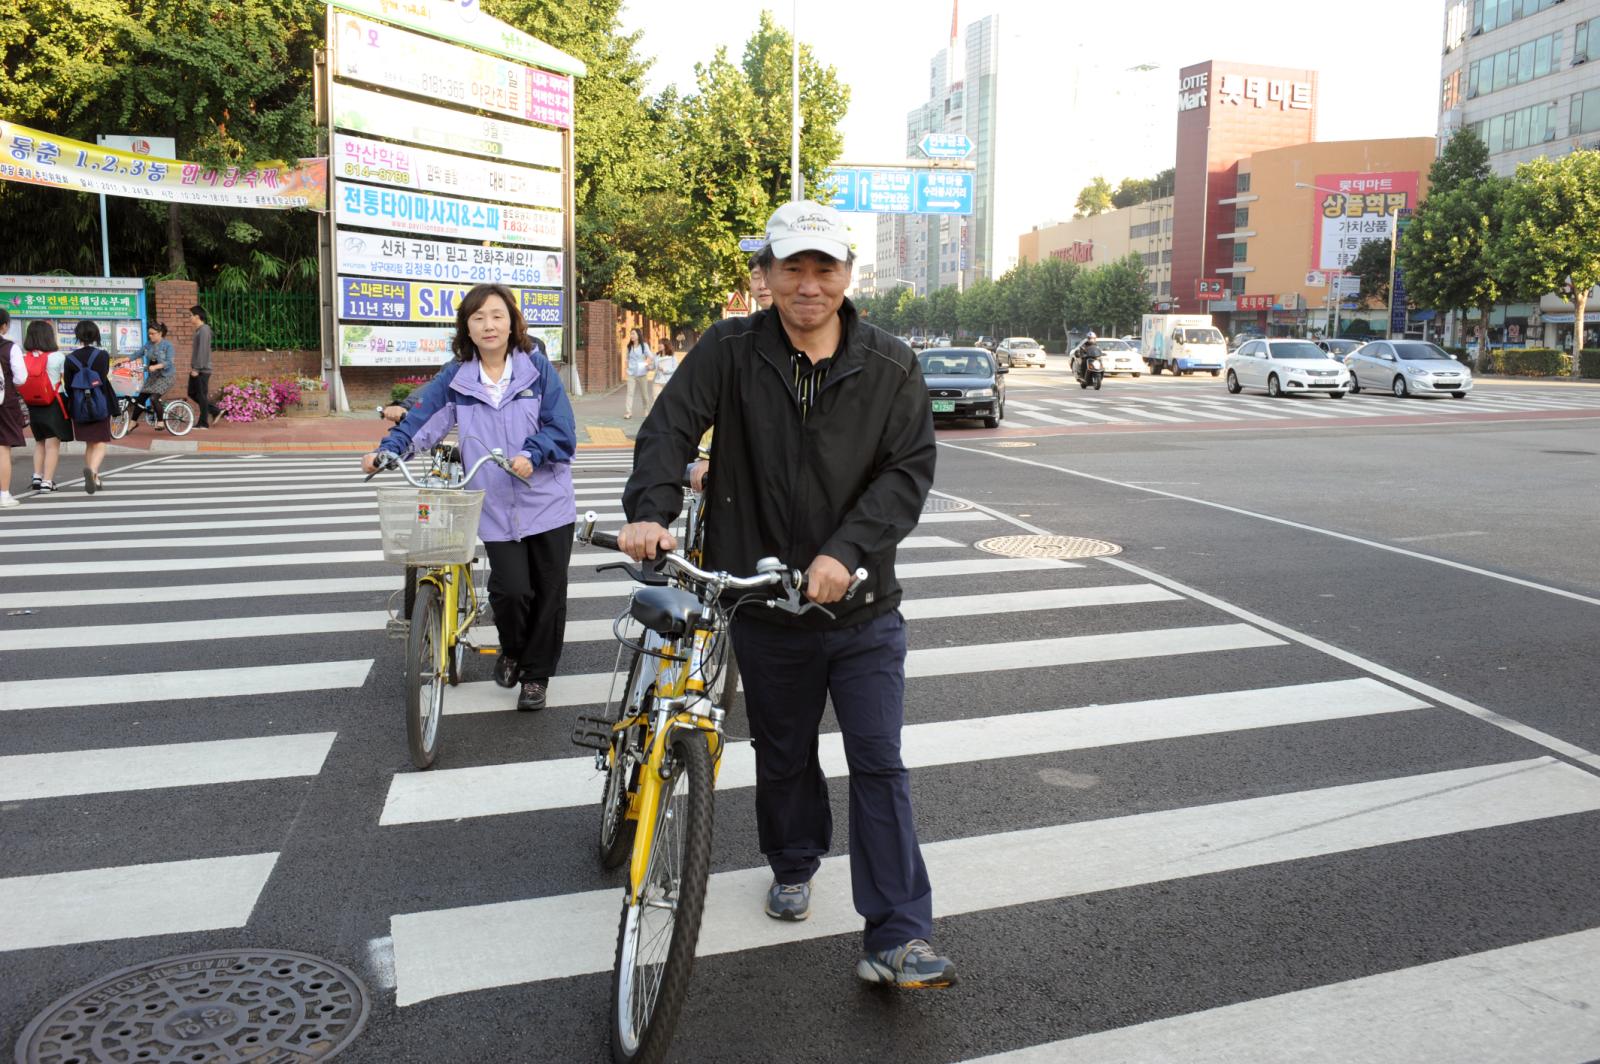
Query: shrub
[[1530, 362], [398, 393], [248, 399], [1589, 363]]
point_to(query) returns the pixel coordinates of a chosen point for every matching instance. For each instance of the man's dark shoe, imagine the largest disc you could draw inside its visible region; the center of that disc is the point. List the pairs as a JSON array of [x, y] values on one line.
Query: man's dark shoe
[[505, 671], [532, 696], [913, 966], [789, 901]]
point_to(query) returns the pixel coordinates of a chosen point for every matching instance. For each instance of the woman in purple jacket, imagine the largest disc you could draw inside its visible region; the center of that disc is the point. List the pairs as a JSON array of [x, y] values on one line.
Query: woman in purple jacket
[[500, 393]]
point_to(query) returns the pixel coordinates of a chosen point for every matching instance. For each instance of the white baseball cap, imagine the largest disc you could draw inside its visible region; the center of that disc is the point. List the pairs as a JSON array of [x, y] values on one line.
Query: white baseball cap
[[807, 226]]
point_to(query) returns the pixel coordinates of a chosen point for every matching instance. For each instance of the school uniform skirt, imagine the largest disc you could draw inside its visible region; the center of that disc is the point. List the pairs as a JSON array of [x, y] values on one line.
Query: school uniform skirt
[[50, 422]]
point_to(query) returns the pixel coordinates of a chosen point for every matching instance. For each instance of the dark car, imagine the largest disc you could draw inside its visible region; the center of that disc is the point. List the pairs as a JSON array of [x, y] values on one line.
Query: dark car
[[964, 383]]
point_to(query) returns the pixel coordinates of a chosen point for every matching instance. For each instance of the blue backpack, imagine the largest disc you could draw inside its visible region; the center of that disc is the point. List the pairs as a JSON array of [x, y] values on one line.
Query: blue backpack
[[86, 392]]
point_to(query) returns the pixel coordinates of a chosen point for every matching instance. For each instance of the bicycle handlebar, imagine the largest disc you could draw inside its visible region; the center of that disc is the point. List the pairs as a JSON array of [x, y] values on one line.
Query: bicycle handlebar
[[389, 460]]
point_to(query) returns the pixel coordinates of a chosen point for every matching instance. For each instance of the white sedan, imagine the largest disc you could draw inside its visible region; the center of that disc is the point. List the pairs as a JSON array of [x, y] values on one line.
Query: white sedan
[[1286, 367], [1116, 356]]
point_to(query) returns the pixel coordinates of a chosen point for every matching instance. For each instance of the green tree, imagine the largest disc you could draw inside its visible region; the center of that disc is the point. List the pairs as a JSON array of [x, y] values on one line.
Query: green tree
[[1115, 296], [942, 319], [1094, 199], [1372, 266], [978, 311], [1550, 233]]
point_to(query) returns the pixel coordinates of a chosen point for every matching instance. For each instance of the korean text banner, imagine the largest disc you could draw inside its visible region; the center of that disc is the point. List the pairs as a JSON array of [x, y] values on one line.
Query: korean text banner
[[1353, 209], [363, 111], [407, 258], [359, 159], [419, 212], [397, 345], [367, 299], [406, 62], [36, 158], [70, 304], [465, 22]]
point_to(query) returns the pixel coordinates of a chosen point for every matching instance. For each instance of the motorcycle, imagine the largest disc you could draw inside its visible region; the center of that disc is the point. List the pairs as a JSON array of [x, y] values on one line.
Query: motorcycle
[[1090, 373]]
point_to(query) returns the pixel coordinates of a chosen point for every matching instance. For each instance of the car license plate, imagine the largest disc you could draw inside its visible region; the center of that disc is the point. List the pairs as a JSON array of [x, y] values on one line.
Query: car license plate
[[944, 406]]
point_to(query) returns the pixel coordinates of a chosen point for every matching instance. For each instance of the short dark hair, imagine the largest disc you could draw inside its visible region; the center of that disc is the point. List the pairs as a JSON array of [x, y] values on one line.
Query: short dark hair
[[755, 260], [41, 336], [160, 327], [87, 332], [462, 345], [765, 258], [200, 312], [5, 317]]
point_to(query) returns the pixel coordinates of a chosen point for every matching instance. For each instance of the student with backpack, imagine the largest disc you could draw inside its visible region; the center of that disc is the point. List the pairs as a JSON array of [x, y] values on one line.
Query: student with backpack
[[46, 401], [13, 417], [90, 399]]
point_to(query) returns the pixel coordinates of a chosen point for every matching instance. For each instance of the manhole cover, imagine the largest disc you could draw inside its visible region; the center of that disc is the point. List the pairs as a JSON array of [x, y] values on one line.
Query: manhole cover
[[1048, 547], [221, 1007], [935, 504], [1014, 443]]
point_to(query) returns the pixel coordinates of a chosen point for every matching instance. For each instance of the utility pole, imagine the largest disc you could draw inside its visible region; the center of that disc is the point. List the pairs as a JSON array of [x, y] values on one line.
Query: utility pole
[[796, 186]]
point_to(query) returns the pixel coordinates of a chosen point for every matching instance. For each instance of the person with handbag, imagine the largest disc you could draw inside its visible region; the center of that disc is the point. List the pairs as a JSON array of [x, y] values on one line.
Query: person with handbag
[[90, 399], [641, 360], [666, 363], [46, 402], [13, 415]]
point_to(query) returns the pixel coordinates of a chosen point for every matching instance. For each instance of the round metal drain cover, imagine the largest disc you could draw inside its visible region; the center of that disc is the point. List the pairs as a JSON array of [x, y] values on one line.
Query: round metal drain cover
[[1048, 547], [221, 1007], [1015, 443], [935, 504]]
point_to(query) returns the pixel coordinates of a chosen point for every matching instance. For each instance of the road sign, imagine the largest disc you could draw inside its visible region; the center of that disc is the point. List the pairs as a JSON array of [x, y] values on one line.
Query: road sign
[[1316, 279], [1207, 289], [1348, 285], [749, 244], [946, 145], [888, 191]]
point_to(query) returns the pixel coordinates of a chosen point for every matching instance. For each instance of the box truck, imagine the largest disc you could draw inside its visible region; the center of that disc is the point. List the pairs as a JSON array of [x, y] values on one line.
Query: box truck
[[1182, 343]]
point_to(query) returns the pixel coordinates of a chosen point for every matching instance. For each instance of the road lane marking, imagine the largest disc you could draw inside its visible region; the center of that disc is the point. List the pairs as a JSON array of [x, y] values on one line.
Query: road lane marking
[[191, 684], [133, 901], [46, 597], [479, 947], [156, 633], [143, 768], [1437, 535], [529, 786], [371, 517], [370, 505]]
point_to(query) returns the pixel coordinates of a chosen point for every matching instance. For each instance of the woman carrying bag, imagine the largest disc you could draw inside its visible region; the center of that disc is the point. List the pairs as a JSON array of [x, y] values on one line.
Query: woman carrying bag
[[666, 364], [498, 393], [47, 403], [641, 360], [91, 400], [13, 415]]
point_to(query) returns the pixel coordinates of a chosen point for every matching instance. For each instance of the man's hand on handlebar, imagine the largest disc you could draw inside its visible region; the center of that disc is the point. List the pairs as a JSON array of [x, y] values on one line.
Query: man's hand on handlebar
[[697, 475], [827, 580], [642, 539]]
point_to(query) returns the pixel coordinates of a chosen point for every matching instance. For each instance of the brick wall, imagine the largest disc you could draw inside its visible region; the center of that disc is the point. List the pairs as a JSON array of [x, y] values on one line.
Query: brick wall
[[602, 356], [172, 302]]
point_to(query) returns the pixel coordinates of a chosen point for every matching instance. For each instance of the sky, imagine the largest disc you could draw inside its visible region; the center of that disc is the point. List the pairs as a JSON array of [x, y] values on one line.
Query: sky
[[1071, 106]]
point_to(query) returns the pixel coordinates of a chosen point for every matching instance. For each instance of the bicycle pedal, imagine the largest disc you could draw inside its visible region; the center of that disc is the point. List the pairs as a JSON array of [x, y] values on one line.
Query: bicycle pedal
[[592, 732], [398, 628]]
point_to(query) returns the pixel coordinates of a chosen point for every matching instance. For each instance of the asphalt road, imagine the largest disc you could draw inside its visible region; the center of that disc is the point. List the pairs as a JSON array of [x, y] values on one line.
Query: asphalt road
[[1312, 792]]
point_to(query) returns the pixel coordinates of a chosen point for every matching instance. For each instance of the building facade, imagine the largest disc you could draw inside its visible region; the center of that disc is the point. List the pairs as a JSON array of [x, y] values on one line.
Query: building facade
[[1145, 229], [933, 252]]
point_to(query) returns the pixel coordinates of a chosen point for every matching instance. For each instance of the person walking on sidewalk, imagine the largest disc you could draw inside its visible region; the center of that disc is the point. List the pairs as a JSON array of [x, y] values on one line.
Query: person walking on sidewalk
[[500, 394], [90, 399], [666, 363], [47, 404], [160, 370], [824, 455], [641, 360], [13, 414], [200, 365]]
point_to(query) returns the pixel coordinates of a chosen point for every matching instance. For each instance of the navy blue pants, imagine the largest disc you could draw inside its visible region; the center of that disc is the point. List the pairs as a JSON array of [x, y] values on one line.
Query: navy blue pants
[[788, 675]]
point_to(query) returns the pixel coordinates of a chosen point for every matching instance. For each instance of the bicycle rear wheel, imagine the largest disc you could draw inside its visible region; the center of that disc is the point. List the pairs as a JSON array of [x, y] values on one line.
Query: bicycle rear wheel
[[122, 419], [179, 416], [656, 940], [424, 682]]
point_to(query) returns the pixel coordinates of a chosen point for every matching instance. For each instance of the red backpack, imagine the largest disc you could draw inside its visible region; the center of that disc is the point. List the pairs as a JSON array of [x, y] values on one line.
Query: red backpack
[[37, 389]]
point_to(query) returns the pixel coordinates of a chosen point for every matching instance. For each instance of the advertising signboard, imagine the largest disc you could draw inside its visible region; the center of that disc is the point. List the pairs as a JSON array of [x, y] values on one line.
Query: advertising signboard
[[1254, 303], [1356, 211], [371, 299], [404, 258], [46, 304], [392, 345], [418, 212], [464, 22], [363, 111], [360, 159]]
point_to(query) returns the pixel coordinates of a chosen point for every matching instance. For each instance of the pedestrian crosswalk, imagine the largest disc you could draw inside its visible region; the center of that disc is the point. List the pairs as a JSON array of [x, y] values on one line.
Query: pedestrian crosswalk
[[1145, 405], [185, 642]]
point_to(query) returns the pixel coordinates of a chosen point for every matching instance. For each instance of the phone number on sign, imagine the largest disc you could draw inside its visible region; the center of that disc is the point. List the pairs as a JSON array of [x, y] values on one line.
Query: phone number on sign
[[455, 271]]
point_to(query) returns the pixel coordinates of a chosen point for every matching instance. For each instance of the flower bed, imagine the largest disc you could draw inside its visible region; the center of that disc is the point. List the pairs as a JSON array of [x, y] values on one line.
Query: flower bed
[[254, 399]]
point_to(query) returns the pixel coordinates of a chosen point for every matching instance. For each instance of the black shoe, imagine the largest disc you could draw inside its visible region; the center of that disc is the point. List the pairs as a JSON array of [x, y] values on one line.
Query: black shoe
[[532, 697], [505, 671], [38, 482], [91, 481]]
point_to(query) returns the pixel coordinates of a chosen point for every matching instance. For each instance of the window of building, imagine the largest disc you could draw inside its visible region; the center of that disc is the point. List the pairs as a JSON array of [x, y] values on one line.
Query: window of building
[[1242, 183], [1241, 218], [1450, 96], [1492, 14], [1150, 258], [1587, 31], [1518, 129], [1241, 251], [1236, 284], [1166, 256], [1514, 66], [1585, 112]]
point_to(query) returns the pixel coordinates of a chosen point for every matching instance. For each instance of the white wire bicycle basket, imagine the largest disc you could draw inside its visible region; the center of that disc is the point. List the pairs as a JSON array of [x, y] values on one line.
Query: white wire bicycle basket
[[429, 526]]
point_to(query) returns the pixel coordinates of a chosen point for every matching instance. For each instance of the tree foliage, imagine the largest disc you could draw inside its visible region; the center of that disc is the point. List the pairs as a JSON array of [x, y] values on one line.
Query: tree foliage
[[1372, 266], [1136, 190], [1094, 199]]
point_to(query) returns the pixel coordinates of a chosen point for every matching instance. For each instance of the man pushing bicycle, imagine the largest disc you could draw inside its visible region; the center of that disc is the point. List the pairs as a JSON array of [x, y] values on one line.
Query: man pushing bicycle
[[825, 450]]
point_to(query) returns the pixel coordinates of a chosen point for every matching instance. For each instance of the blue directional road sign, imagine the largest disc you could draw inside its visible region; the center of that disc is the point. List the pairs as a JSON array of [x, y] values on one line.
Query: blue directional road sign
[[908, 191], [748, 244], [946, 145]]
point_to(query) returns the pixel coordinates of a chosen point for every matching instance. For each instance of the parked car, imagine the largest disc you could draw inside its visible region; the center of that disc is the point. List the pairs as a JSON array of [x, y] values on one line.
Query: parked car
[[985, 342], [1020, 351], [1407, 367], [1340, 348], [964, 383], [917, 342], [1286, 367], [1116, 356]]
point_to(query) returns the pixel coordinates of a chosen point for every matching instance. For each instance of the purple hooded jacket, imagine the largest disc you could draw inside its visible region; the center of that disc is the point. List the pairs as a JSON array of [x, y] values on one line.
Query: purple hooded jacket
[[534, 419]]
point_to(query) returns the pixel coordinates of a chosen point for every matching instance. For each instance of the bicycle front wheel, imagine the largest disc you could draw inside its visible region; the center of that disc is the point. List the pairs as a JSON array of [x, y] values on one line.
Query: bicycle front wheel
[[622, 776], [655, 944], [122, 419], [179, 417], [424, 680]]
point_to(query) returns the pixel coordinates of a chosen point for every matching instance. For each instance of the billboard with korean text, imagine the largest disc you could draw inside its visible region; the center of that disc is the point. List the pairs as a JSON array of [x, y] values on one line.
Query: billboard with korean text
[[1353, 209]]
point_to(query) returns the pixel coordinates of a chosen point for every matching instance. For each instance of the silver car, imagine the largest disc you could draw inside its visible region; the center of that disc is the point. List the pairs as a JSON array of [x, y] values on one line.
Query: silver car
[[1407, 367]]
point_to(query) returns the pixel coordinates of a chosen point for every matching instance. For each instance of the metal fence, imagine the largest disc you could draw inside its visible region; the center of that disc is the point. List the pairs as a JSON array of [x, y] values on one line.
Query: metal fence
[[257, 321]]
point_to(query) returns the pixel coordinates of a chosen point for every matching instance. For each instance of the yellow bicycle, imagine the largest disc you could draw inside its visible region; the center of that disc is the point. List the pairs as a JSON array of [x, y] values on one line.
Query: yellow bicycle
[[431, 528], [660, 747]]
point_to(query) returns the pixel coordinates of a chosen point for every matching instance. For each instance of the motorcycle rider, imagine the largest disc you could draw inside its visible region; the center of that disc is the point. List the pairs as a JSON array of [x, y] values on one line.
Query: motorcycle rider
[[1086, 351]]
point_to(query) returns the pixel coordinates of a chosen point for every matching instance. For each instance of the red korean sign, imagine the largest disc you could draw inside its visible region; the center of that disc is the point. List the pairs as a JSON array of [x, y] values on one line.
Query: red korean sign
[[1209, 288], [1255, 302], [1352, 209]]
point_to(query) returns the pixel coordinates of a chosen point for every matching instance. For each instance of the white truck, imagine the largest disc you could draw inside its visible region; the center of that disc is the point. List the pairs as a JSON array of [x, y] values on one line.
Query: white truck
[[1182, 343]]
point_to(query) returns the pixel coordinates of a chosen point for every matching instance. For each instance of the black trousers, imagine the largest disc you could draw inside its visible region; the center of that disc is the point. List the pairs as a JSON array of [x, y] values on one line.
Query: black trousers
[[528, 593], [789, 675], [200, 394]]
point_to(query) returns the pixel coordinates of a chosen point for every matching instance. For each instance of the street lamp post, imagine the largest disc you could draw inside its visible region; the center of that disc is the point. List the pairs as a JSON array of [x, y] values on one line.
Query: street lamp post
[[1394, 234]]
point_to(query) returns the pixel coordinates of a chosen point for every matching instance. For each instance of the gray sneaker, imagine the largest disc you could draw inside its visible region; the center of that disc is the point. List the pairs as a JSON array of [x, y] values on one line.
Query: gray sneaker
[[913, 966], [789, 901]]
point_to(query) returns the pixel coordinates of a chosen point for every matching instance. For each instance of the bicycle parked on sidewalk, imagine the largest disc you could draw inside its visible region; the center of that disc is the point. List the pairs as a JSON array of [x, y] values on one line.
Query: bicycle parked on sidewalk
[[431, 528], [175, 415], [660, 746]]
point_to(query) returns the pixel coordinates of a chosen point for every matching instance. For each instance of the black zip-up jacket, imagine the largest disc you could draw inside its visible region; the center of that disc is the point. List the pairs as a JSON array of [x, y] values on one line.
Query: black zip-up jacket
[[848, 480]]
